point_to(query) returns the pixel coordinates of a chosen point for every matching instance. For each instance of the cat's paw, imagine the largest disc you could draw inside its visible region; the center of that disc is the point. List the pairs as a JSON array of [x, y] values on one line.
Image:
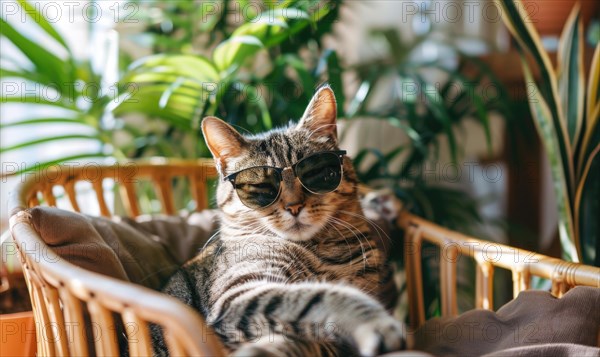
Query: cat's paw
[[381, 335]]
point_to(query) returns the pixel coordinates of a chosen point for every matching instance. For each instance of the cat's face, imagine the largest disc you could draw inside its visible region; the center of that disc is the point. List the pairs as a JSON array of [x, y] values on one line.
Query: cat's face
[[297, 213]]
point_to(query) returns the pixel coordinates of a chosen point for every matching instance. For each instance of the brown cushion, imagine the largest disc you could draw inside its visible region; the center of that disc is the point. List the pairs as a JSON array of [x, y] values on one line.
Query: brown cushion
[[532, 319], [182, 237], [73, 237], [550, 350], [146, 252]]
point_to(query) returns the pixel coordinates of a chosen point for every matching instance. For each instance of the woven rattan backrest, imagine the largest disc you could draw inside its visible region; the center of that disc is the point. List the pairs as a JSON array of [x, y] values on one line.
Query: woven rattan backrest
[[522, 263], [78, 312]]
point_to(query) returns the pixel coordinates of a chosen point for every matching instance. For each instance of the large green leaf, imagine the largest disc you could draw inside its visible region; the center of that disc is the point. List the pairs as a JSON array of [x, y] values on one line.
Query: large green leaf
[[592, 129], [22, 74], [267, 29], [178, 112], [36, 100], [482, 116], [165, 78], [528, 39], [593, 92], [295, 20], [52, 70], [40, 19], [48, 139], [45, 121], [231, 53], [587, 210], [286, 14], [571, 82], [544, 124], [193, 67]]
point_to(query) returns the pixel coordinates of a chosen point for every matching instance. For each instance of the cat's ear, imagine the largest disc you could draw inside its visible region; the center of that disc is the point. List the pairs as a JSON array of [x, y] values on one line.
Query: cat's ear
[[222, 140], [320, 115]]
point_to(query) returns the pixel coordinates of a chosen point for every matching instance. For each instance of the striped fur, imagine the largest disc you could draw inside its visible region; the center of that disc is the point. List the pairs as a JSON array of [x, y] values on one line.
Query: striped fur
[[272, 284]]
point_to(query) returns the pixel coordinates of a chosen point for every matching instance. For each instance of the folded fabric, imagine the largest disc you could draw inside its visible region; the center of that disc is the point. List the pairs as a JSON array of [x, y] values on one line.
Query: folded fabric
[[181, 237], [549, 350], [147, 252], [73, 237], [529, 322]]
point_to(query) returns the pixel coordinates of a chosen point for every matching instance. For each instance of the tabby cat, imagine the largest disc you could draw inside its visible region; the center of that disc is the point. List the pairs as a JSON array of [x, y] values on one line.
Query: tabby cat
[[295, 269]]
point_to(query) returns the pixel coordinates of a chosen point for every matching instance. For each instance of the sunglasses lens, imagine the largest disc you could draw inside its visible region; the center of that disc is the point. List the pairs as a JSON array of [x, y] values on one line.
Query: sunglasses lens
[[257, 187], [320, 173]]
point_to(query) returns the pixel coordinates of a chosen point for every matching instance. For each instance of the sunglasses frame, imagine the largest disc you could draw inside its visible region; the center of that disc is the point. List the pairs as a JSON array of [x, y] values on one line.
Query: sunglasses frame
[[339, 153]]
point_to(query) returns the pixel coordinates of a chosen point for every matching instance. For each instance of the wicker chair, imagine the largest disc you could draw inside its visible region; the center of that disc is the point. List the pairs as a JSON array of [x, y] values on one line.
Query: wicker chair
[[62, 293]]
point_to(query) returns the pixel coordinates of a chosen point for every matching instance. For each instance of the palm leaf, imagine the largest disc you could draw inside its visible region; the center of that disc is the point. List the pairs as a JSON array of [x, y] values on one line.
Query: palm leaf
[[439, 112], [165, 78], [146, 102], [23, 74], [43, 23], [48, 139], [193, 67], [484, 119], [267, 29], [38, 121], [231, 53], [52, 70], [38, 100]]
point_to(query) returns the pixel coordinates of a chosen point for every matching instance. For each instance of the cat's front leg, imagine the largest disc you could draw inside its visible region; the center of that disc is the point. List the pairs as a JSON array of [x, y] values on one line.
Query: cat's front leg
[[315, 311]]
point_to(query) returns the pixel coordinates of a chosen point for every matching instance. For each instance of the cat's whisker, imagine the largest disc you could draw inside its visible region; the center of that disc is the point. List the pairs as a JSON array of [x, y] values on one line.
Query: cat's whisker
[[214, 236], [349, 228], [372, 223], [331, 224]]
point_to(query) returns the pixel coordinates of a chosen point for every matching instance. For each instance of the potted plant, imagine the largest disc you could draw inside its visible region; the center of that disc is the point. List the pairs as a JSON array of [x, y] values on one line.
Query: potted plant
[[566, 112]]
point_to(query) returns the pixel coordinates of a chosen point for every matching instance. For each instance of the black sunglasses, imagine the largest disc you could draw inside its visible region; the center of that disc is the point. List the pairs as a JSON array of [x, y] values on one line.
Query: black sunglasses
[[260, 186]]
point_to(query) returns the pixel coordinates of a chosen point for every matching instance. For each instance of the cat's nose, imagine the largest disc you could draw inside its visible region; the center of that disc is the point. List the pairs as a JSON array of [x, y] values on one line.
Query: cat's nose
[[294, 208]]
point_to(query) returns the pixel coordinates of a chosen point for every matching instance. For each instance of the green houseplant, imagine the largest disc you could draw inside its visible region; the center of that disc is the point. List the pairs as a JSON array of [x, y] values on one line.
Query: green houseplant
[[174, 89], [566, 111], [66, 87], [433, 109], [250, 74]]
